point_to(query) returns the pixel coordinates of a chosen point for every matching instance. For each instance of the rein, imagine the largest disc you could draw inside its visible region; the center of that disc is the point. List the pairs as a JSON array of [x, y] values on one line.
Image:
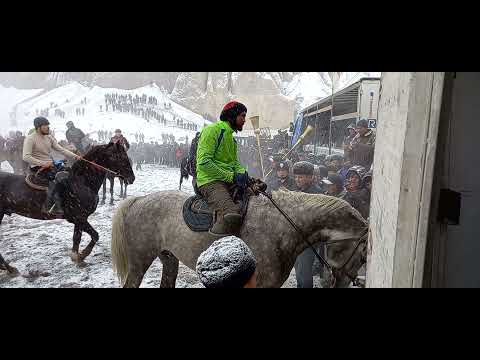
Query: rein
[[98, 167], [304, 238]]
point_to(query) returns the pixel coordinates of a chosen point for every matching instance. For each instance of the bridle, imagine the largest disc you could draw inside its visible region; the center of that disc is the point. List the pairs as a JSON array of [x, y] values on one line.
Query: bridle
[[331, 269]]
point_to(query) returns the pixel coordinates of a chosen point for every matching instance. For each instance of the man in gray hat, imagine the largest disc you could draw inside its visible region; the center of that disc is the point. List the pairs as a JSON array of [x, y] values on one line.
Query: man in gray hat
[[303, 172], [305, 182]]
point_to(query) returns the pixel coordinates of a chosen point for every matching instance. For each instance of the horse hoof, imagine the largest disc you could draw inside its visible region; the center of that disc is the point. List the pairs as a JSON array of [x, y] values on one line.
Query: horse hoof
[[12, 271], [75, 257]]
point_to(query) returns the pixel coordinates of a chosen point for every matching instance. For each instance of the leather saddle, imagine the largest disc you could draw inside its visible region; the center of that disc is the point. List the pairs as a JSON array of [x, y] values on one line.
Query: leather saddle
[[199, 217], [36, 182], [40, 183]]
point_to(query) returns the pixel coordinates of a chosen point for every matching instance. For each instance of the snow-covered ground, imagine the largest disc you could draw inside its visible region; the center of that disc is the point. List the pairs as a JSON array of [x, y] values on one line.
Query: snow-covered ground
[[40, 249]]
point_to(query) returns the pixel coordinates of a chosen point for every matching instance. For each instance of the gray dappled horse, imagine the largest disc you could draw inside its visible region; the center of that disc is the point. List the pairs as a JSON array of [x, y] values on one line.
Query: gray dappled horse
[[152, 226]]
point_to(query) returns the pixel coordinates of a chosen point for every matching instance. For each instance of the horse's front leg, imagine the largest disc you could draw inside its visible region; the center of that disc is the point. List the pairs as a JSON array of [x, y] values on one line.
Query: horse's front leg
[[121, 187], [4, 266], [104, 186], [112, 182], [77, 238], [86, 227]]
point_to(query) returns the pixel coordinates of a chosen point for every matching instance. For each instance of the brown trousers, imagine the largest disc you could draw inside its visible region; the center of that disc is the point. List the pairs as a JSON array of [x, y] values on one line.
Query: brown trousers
[[219, 199]]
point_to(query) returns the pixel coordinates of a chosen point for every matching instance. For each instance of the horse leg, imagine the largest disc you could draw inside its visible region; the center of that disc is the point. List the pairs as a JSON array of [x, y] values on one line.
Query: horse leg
[[121, 188], [112, 182], [77, 238], [104, 186], [3, 264], [137, 270], [169, 270], [125, 192], [86, 227]]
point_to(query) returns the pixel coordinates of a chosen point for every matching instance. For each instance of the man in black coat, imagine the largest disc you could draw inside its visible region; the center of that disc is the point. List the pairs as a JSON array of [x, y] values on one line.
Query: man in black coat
[[282, 178], [303, 172], [75, 136]]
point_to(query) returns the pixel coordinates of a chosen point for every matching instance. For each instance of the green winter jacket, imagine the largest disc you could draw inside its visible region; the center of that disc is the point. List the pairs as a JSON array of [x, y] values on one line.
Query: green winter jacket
[[217, 155]]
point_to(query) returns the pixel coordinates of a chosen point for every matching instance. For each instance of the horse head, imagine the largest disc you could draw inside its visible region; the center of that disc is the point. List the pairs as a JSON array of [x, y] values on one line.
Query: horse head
[[116, 159], [334, 222]]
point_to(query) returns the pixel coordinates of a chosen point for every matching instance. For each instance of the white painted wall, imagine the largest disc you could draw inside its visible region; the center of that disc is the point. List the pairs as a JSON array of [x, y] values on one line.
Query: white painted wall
[[404, 157]]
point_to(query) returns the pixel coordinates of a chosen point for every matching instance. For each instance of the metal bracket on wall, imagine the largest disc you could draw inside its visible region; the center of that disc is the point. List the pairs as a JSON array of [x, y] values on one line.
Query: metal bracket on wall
[[449, 207]]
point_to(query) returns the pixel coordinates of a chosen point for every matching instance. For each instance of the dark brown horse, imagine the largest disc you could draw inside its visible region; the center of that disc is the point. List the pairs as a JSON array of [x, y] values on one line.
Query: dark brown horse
[[79, 193], [111, 178], [123, 188]]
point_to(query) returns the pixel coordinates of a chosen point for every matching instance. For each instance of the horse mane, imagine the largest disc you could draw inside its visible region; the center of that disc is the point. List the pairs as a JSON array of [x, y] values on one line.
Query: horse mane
[[91, 155], [311, 202]]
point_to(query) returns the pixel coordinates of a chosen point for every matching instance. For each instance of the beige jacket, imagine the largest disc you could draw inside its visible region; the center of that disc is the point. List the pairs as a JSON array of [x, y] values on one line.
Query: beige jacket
[[37, 149]]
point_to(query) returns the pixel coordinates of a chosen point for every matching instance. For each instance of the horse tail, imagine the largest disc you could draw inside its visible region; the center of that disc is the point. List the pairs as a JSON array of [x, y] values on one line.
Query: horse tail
[[119, 240]]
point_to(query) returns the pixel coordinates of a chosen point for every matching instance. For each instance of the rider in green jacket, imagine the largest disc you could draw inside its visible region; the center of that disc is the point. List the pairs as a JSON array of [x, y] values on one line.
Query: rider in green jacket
[[218, 168]]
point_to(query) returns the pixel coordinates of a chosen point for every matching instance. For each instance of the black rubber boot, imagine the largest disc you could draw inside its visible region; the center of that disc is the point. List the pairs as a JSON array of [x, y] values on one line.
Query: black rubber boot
[[53, 198], [230, 224], [50, 199]]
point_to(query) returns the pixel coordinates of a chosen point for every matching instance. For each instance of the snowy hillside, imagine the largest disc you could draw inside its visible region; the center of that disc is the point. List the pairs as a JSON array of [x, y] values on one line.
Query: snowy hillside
[[69, 98], [274, 96], [9, 97]]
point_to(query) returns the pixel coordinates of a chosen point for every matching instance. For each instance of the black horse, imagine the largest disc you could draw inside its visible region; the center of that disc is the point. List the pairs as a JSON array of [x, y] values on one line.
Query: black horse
[[79, 193]]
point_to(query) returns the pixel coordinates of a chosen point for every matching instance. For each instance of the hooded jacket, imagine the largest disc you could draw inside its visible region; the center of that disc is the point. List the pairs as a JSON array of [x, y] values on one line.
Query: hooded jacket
[[359, 199]]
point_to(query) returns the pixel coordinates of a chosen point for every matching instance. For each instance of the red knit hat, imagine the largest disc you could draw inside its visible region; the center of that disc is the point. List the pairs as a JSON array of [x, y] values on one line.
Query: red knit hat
[[231, 110]]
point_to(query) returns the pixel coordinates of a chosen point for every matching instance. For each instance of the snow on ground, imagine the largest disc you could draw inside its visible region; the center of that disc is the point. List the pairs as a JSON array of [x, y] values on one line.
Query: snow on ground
[[69, 98], [40, 249]]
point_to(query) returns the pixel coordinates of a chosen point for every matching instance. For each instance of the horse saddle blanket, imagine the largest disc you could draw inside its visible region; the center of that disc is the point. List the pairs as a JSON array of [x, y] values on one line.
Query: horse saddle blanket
[[199, 217]]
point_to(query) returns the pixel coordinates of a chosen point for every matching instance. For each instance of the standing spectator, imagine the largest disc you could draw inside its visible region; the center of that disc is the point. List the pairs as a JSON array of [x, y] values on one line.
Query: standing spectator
[[75, 136], [355, 194], [283, 178], [336, 186], [304, 180], [363, 145], [347, 141], [120, 139]]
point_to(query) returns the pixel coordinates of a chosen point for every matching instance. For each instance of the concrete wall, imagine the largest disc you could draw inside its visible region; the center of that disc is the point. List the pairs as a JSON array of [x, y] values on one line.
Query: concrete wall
[[404, 158]]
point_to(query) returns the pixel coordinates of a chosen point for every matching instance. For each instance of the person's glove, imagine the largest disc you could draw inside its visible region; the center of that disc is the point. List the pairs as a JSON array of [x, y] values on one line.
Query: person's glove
[[241, 180], [59, 163], [257, 185]]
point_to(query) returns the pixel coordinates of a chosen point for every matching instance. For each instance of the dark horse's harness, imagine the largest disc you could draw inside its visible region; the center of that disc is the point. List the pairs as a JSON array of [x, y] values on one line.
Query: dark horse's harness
[[331, 269]]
